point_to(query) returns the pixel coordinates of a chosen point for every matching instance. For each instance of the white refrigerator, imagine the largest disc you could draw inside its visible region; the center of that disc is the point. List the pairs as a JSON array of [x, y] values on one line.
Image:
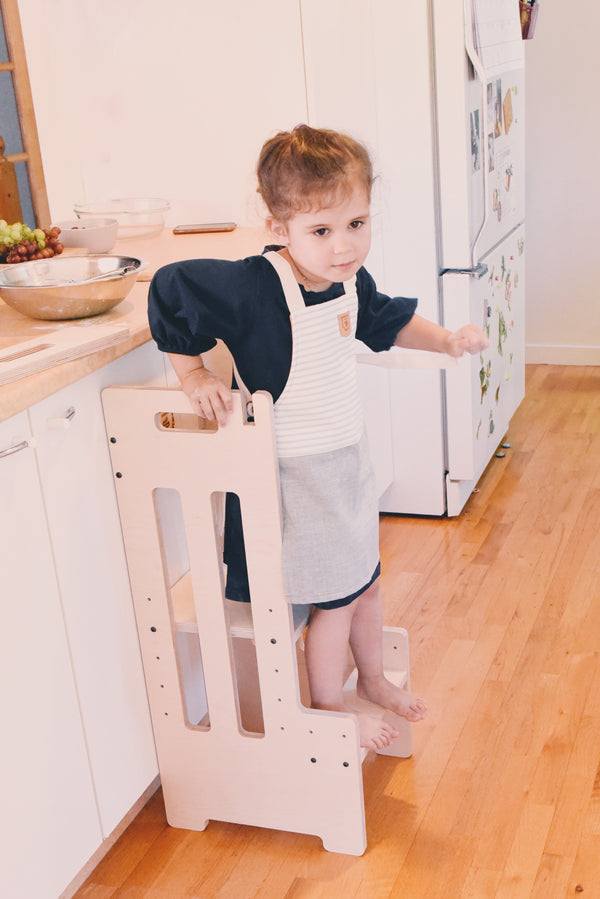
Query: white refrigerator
[[435, 88]]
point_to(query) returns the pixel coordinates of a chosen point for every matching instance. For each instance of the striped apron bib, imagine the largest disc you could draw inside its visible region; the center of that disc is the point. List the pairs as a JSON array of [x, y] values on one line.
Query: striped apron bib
[[328, 494]]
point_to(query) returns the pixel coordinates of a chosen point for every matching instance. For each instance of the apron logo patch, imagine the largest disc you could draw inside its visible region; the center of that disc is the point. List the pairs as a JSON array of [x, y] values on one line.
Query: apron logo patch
[[345, 324]]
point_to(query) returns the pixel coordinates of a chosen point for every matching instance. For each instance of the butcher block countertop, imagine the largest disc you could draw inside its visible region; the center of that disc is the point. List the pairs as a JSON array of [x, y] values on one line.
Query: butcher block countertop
[[132, 312]]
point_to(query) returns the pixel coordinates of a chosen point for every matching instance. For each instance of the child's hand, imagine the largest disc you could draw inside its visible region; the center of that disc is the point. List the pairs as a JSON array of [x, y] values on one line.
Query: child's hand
[[209, 395], [469, 339]]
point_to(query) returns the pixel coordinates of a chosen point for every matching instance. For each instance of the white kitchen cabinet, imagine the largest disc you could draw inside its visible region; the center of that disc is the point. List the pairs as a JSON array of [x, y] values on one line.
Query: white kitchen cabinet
[[373, 384], [49, 822], [78, 490]]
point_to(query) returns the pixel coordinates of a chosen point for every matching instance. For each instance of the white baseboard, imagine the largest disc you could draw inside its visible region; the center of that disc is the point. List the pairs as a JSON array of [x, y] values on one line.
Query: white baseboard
[[542, 354]]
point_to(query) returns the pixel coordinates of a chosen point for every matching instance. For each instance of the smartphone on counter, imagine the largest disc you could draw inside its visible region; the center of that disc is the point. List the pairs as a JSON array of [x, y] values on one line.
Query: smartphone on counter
[[205, 228]]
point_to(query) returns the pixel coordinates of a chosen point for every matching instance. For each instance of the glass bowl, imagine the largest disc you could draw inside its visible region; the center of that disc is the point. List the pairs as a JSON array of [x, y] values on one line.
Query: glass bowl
[[137, 216]]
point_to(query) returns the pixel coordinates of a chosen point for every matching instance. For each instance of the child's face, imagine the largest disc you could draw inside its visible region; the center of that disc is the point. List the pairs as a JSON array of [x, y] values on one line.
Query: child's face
[[329, 244]]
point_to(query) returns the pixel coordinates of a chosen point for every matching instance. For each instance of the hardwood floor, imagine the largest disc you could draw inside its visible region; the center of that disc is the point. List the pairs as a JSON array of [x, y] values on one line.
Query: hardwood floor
[[502, 795]]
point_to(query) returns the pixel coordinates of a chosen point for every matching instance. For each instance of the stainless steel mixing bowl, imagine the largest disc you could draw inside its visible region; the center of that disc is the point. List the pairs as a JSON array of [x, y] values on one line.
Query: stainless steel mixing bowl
[[55, 289]]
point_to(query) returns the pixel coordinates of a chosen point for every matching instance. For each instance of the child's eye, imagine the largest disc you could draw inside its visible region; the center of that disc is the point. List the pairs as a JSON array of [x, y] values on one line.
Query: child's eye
[[321, 232], [357, 223]]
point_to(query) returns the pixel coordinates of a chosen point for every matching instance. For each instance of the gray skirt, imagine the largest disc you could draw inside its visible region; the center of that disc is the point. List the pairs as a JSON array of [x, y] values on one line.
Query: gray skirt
[[330, 524]]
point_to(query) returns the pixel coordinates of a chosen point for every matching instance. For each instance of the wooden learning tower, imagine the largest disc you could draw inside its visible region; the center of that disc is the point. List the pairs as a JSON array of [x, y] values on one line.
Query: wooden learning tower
[[235, 737]]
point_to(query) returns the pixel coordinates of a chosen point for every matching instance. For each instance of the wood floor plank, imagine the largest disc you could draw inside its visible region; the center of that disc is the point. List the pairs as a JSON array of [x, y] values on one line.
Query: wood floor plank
[[525, 854], [552, 877], [585, 876]]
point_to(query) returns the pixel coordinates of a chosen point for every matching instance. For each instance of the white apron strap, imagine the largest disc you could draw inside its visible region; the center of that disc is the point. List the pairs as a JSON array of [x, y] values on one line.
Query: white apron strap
[[246, 395], [293, 294]]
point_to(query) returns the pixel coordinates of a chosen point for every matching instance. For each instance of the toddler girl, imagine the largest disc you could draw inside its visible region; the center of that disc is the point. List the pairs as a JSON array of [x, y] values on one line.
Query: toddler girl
[[289, 318]]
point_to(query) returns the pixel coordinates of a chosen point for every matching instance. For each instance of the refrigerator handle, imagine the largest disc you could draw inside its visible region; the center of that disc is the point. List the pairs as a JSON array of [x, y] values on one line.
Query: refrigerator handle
[[476, 271], [470, 27]]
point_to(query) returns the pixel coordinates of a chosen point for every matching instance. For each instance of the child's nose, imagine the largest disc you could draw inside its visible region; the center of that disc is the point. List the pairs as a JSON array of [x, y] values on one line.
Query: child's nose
[[341, 243]]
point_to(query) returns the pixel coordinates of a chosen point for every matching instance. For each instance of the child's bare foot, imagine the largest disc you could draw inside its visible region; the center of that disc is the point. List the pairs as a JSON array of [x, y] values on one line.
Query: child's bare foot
[[374, 733], [382, 692]]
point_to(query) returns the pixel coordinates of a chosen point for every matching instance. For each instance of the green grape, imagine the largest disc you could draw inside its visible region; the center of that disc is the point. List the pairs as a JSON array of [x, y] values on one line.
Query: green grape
[[19, 242]]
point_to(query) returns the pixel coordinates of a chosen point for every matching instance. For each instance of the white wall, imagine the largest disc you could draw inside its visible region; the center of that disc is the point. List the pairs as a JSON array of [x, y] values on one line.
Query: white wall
[[137, 97], [170, 99], [563, 193]]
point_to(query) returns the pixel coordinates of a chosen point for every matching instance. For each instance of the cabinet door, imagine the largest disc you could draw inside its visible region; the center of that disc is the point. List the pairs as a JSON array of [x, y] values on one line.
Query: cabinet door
[[373, 383], [49, 824], [77, 484]]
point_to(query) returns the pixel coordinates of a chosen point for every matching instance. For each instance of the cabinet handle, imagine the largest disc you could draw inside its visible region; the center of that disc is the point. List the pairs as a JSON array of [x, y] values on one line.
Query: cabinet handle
[[63, 422], [16, 448]]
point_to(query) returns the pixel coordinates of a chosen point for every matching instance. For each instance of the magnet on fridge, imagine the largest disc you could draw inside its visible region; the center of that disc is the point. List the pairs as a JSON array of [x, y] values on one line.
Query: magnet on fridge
[[502, 333], [529, 14]]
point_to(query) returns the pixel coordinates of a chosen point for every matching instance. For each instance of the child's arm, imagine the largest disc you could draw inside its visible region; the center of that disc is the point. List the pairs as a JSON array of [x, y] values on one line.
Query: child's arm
[[422, 334], [209, 396]]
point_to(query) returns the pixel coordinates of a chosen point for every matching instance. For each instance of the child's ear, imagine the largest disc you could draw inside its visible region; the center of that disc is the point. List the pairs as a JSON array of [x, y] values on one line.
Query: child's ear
[[279, 229]]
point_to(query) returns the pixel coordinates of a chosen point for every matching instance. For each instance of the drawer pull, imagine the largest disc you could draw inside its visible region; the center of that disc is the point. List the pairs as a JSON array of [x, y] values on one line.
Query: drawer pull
[[16, 448], [63, 422]]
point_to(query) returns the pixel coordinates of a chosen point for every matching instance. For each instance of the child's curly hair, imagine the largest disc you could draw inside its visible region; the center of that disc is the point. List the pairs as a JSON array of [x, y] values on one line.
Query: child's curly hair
[[307, 167]]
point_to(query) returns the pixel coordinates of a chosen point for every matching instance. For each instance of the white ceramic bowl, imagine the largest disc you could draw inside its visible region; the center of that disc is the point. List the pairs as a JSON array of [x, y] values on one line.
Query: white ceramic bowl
[[137, 216], [93, 234]]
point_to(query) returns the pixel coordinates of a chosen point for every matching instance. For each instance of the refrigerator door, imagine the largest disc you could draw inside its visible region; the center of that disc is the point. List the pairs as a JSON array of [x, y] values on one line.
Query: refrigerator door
[[480, 126], [483, 391], [502, 165]]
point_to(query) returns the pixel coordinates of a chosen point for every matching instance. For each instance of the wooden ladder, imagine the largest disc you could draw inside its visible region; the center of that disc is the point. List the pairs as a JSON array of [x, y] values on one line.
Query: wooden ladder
[[16, 64], [235, 737]]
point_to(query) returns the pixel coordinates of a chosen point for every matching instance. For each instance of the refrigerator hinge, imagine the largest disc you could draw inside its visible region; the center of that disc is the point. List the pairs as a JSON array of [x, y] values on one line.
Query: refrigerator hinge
[[478, 271]]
